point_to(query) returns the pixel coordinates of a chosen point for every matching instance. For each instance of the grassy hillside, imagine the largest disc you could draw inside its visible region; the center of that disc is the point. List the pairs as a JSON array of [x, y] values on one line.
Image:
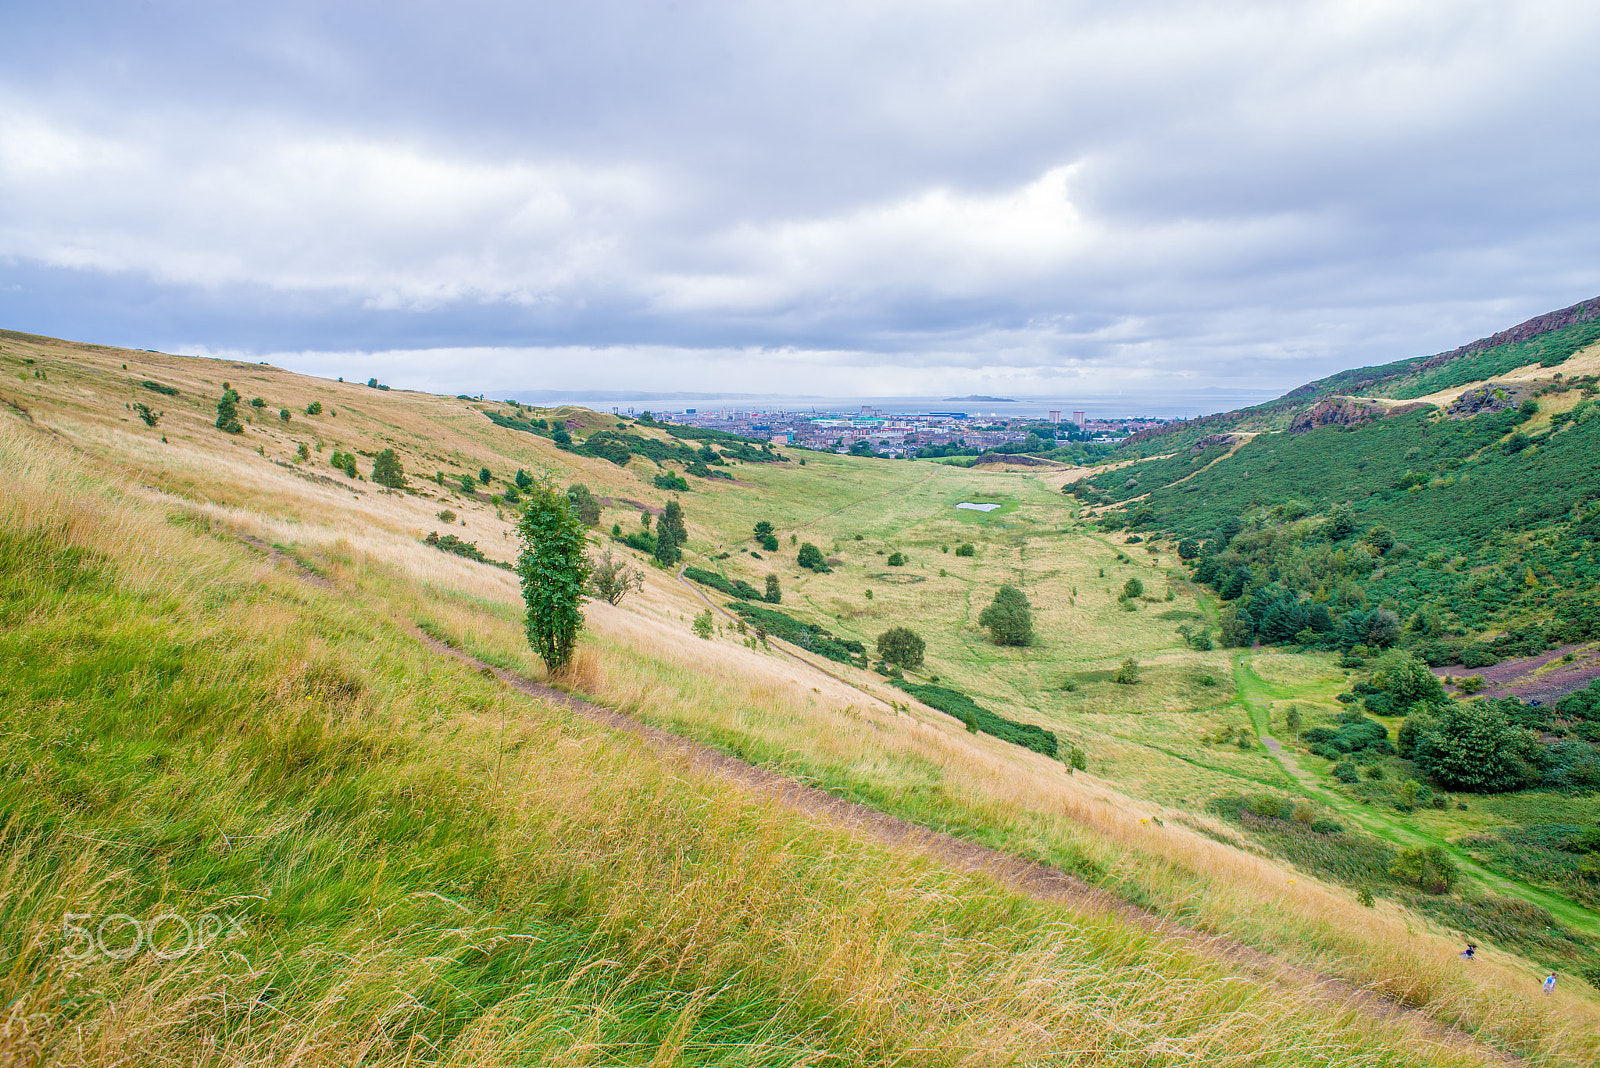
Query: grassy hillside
[[421, 865]]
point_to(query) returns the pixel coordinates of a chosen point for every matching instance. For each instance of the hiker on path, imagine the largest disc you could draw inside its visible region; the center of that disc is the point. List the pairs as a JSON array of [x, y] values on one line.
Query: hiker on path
[[1470, 952], [1550, 983]]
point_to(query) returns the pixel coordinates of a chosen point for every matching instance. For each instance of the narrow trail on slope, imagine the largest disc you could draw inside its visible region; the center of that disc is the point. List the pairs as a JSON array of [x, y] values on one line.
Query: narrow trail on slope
[[1038, 881]]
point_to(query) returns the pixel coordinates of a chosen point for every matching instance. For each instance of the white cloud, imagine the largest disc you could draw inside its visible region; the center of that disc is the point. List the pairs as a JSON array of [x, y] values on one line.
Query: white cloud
[[391, 224], [1130, 190]]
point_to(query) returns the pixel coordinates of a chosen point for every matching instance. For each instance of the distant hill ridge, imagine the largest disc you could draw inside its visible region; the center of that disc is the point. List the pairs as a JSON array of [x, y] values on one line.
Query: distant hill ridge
[[1548, 339]]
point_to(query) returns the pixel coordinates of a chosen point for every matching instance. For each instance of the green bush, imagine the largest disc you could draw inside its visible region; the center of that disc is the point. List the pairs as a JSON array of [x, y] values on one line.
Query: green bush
[[808, 636], [811, 557], [1127, 673], [228, 411], [314, 408], [1428, 867], [774, 591], [671, 482], [902, 646], [957, 704], [966, 548], [1473, 747], [732, 587], [896, 560], [1346, 772], [1133, 588], [704, 624]]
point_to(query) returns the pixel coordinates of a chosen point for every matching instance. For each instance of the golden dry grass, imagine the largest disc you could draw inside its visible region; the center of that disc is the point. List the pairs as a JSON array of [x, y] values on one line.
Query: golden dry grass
[[841, 731]]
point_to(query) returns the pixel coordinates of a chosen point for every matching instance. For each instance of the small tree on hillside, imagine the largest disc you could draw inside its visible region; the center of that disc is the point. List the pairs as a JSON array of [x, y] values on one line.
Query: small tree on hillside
[[485, 476], [228, 411], [586, 503], [314, 408], [672, 516], [386, 470], [612, 578], [524, 480], [1133, 588], [1429, 867], [774, 593], [763, 530], [1008, 618], [902, 646], [811, 557], [1292, 721], [554, 569], [666, 551]]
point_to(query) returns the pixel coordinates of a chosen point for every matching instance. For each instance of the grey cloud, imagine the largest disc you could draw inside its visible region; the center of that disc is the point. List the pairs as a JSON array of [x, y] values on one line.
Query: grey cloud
[[1105, 192]]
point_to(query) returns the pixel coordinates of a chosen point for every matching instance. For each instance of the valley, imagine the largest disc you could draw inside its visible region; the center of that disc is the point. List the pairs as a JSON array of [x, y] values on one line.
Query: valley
[[431, 863]]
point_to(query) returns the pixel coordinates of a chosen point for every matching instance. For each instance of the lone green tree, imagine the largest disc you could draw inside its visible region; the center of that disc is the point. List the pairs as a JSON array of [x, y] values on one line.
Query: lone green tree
[[774, 591], [1133, 588], [228, 411], [587, 504], [902, 646], [554, 569], [1008, 617], [810, 556], [1292, 721], [666, 551], [672, 516], [386, 470]]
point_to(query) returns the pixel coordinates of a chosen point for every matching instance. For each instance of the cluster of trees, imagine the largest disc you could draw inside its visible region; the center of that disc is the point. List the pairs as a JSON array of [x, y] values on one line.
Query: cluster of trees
[[343, 461], [766, 536], [1475, 746]]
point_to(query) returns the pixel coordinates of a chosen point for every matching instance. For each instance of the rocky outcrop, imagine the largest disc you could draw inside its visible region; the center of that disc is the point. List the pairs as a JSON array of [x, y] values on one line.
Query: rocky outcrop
[[1336, 411], [1212, 440], [1491, 397], [1347, 411]]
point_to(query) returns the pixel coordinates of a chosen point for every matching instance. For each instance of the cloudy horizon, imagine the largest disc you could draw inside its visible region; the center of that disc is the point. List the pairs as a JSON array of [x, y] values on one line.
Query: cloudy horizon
[[1080, 199]]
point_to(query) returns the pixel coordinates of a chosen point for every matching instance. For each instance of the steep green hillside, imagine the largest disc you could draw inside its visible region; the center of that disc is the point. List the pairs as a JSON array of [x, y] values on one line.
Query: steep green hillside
[[1475, 530]]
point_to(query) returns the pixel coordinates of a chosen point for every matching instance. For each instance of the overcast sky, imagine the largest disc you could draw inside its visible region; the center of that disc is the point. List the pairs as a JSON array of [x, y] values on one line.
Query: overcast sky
[[1067, 198]]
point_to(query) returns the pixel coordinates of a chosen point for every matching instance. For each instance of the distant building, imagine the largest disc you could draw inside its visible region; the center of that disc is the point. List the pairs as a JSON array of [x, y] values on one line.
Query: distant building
[[1080, 418], [1055, 417]]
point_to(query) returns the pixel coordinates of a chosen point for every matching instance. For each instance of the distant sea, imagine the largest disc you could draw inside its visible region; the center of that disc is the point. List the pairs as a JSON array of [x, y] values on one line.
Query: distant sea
[[1152, 405]]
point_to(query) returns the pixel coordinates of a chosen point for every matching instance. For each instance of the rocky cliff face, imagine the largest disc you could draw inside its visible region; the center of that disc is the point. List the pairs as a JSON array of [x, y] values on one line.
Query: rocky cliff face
[[1539, 324], [1336, 411]]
